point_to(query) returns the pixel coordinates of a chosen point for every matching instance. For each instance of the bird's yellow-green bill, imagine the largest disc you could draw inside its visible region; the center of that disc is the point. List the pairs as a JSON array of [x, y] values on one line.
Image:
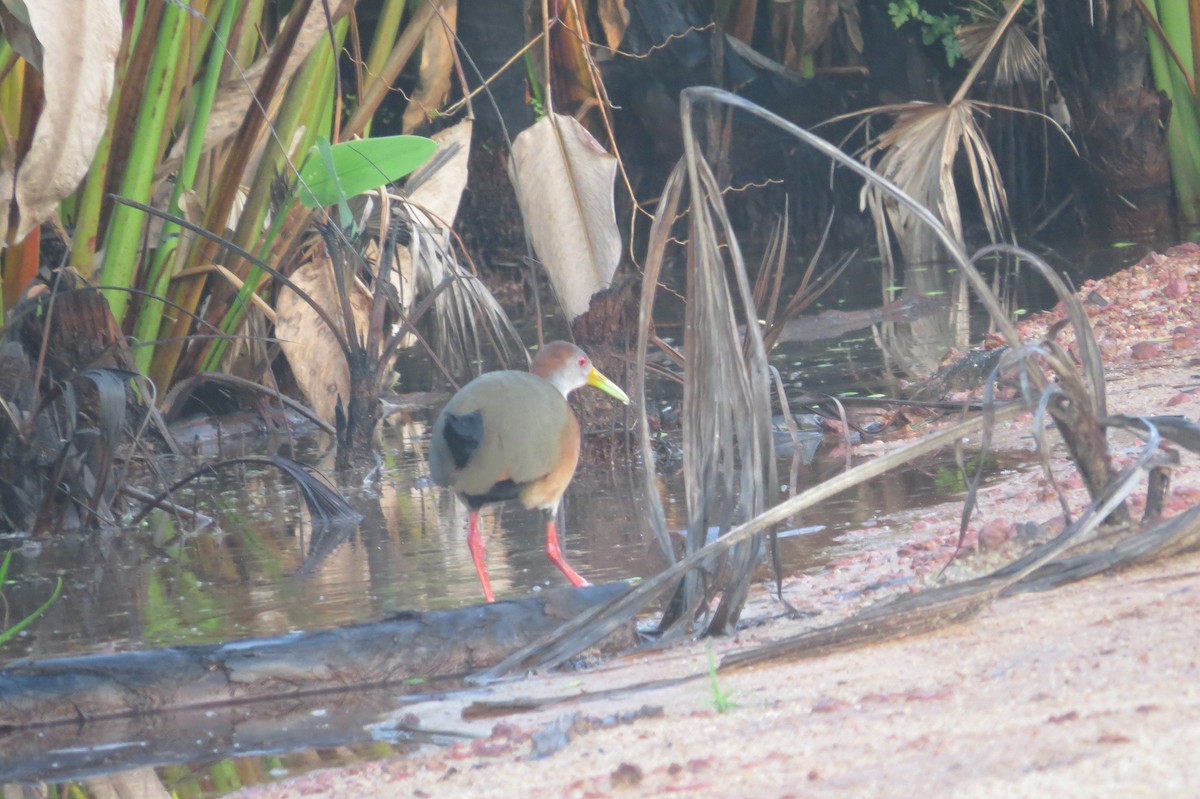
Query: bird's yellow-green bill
[[598, 380]]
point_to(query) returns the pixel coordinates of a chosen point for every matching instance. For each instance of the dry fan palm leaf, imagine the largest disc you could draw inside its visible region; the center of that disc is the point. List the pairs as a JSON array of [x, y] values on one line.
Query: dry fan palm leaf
[[1017, 57], [918, 154], [466, 315]]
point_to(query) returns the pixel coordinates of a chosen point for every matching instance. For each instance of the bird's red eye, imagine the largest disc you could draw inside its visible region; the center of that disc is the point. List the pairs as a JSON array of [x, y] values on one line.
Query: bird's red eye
[[582, 361]]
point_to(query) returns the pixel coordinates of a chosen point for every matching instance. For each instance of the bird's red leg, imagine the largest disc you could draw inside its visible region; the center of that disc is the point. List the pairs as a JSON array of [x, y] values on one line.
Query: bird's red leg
[[475, 544], [555, 554]]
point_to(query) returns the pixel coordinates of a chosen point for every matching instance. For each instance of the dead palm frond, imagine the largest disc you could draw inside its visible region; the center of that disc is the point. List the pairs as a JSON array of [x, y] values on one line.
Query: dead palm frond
[[1018, 59], [918, 154], [466, 315], [729, 465], [921, 153], [726, 394]]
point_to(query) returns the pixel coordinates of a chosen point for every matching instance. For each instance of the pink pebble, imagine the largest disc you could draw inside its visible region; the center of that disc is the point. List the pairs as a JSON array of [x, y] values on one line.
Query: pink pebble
[[1145, 350], [1177, 289]]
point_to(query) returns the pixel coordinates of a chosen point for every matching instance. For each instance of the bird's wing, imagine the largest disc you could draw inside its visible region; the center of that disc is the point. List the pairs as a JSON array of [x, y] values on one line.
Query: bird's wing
[[529, 427], [523, 417]]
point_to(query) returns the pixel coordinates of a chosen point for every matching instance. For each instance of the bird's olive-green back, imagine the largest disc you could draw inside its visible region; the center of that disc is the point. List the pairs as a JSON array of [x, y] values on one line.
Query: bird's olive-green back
[[523, 422]]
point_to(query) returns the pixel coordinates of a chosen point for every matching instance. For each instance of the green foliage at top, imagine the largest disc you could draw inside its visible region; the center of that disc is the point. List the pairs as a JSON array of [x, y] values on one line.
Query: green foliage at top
[[353, 167], [934, 27]]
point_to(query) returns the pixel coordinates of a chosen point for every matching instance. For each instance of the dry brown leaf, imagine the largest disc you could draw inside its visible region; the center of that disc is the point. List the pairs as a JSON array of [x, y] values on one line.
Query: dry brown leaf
[[433, 76], [564, 184], [1017, 57], [77, 81], [850, 15], [614, 19], [439, 193], [818, 16], [309, 345]]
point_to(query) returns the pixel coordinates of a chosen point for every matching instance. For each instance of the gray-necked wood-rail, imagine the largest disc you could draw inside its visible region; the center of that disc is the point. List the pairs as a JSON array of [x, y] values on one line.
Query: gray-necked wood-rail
[[512, 435]]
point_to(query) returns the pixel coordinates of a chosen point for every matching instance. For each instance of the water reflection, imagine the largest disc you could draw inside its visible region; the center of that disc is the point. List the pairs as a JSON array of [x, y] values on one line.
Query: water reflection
[[215, 750], [266, 569]]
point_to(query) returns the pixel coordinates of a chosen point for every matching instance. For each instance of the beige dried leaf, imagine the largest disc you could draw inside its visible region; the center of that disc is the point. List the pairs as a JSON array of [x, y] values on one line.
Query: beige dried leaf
[[307, 342], [77, 81], [433, 75], [564, 184], [850, 16], [614, 19], [818, 17], [439, 191]]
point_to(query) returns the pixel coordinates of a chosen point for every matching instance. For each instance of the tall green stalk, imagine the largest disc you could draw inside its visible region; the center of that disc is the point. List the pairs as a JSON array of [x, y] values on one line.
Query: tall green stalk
[[308, 102], [126, 224], [1183, 132], [149, 318], [90, 200]]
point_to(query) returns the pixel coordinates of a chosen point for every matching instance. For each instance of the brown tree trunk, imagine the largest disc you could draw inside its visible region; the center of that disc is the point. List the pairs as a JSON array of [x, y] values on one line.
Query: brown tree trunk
[[1119, 120]]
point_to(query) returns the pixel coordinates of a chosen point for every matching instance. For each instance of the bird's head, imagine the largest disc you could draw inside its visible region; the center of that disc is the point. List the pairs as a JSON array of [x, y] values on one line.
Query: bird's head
[[566, 367]]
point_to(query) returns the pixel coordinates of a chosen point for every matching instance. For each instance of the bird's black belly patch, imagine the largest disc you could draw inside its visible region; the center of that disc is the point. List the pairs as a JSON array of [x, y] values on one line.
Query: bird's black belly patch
[[499, 492], [463, 435]]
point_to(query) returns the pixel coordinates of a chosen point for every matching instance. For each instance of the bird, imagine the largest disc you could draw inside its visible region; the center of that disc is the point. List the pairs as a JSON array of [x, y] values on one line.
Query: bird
[[511, 435]]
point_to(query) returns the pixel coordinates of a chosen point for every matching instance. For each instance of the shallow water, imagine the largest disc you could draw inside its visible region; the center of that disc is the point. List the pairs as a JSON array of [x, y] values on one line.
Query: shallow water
[[266, 570]]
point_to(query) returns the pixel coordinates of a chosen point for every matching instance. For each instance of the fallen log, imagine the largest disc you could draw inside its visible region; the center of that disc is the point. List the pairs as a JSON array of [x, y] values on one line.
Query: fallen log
[[406, 646]]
